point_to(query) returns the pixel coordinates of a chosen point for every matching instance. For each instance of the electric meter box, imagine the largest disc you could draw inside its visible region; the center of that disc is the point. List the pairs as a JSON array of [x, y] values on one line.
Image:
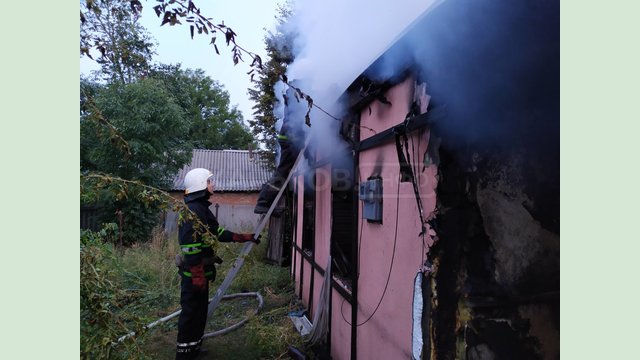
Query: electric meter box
[[371, 196]]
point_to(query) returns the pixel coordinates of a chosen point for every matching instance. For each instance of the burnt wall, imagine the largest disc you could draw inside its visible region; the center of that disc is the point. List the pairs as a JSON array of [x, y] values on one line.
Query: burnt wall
[[494, 66], [497, 260]]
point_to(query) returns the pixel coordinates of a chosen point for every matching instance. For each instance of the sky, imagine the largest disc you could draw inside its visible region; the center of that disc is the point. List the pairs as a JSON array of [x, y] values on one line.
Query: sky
[[247, 18]]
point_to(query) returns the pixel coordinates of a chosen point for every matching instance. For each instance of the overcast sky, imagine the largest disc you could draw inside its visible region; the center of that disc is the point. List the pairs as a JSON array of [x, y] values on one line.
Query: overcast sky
[[247, 18]]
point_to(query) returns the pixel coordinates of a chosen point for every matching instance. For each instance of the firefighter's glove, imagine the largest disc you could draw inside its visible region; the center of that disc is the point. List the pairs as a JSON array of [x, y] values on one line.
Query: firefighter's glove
[[242, 238], [198, 279]]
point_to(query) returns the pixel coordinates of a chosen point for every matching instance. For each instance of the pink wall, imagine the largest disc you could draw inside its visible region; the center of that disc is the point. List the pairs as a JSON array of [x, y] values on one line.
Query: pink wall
[[340, 330], [387, 335], [298, 233], [306, 288], [322, 227], [295, 271], [323, 215]]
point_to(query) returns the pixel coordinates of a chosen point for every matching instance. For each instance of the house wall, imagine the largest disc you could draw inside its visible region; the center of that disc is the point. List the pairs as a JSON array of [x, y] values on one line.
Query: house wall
[[340, 329], [323, 215], [387, 334], [235, 211], [306, 286]]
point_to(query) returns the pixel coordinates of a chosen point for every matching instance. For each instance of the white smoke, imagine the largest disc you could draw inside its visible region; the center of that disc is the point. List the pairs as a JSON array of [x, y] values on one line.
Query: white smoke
[[481, 59], [337, 40], [334, 42], [278, 108]]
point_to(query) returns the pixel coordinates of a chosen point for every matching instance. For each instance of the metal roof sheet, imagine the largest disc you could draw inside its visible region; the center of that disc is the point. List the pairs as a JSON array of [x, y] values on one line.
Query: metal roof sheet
[[233, 170]]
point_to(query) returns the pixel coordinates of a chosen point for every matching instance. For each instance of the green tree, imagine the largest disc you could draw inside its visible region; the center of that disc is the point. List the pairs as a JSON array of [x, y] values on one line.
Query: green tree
[[111, 27], [154, 129], [213, 122], [151, 122], [279, 53]]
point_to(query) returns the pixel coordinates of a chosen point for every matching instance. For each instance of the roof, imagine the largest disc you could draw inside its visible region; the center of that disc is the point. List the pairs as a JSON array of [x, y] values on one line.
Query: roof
[[233, 170]]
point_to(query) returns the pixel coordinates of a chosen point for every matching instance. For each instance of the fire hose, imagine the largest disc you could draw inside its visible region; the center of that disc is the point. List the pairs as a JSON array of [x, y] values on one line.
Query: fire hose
[[208, 335]]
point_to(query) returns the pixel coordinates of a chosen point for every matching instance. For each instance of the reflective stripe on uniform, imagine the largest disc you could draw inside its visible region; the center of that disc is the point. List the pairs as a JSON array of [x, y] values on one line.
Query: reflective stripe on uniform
[[194, 343], [191, 249], [220, 230], [189, 347], [282, 137]]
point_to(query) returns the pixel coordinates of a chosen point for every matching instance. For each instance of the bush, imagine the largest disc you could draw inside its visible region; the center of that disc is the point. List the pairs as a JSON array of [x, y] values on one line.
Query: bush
[[139, 217], [102, 299]]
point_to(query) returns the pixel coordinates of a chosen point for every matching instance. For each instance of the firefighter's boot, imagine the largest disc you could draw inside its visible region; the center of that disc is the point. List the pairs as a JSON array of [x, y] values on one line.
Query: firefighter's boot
[[268, 193]]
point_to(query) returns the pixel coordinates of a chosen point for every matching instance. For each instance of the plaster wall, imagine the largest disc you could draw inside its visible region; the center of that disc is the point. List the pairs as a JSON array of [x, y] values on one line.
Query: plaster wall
[[391, 250], [387, 334], [340, 330]]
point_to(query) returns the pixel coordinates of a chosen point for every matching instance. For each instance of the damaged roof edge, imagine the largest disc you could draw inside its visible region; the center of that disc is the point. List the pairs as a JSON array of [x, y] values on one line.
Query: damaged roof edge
[[399, 76]]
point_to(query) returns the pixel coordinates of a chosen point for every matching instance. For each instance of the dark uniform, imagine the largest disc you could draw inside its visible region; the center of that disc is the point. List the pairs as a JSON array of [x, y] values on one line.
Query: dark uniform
[[291, 140], [197, 269]]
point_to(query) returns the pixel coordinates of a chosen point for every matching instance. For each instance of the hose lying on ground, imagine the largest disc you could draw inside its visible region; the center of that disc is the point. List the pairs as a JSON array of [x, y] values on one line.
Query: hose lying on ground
[[208, 335]]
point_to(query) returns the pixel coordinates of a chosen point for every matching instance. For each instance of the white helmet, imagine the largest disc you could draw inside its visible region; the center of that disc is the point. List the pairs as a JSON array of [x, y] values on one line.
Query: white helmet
[[196, 180]]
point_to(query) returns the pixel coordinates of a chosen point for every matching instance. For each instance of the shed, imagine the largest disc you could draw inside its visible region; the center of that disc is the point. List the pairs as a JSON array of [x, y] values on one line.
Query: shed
[[238, 174]]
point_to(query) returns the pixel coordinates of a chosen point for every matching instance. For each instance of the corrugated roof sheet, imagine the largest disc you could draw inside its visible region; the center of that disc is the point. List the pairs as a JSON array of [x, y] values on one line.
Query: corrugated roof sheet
[[233, 170]]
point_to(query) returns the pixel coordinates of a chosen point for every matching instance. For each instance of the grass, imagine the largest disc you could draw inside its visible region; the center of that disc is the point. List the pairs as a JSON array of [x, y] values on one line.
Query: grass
[[149, 274]]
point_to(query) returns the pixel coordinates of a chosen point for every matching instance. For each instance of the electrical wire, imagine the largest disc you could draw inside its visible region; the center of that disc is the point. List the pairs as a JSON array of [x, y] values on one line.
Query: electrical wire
[[415, 166], [313, 104], [393, 255]]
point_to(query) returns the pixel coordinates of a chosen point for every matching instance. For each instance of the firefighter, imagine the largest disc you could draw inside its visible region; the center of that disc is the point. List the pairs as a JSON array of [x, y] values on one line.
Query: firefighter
[[291, 140], [197, 262]]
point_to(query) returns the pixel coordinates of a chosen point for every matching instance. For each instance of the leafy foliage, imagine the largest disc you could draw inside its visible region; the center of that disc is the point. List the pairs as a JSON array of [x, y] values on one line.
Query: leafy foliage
[[153, 148], [171, 11], [139, 132], [152, 124], [111, 28], [102, 299], [213, 123], [94, 187], [279, 52]]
